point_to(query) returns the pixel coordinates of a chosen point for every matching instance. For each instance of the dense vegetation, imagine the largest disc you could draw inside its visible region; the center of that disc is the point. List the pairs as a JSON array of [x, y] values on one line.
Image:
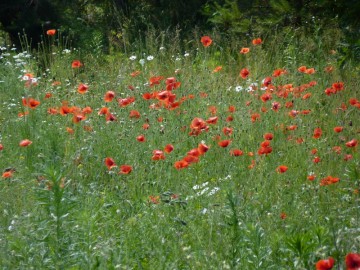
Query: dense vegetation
[[125, 144]]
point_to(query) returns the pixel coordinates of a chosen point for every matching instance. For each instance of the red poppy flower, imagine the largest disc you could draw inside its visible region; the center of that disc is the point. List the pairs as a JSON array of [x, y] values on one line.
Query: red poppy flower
[[256, 41], [33, 103], [147, 96], [275, 106], [217, 69], [236, 152], [158, 155], [317, 133], [197, 125], [267, 81], [338, 129], [252, 165], [109, 96], [254, 117], [25, 143], [110, 163], [103, 111], [293, 113], [1, 147], [135, 73], [206, 41], [352, 261], [352, 143], [310, 71], [134, 114], [283, 215], [227, 131], [141, 138], [289, 104], [51, 32], [172, 84], [82, 88], [316, 159], [265, 148], [7, 174], [338, 86], [329, 180], [212, 120], [168, 148], [231, 109], [281, 169], [311, 177], [244, 73], [191, 159], [194, 152], [329, 69], [244, 50], [353, 101], [230, 118], [265, 143], [181, 164], [110, 117], [70, 130], [212, 110], [337, 149], [302, 69], [265, 97], [326, 264], [125, 169], [30, 102], [292, 127], [278, 72], [268, 136], [224, 143], [76, 64], [65, 109], [145, 126], [203, 148], [154, 199], [123, 102], [78, 117]]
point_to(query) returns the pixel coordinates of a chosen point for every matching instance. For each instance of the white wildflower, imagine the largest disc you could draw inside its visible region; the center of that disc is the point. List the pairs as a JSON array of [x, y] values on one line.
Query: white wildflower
[[238, 88]]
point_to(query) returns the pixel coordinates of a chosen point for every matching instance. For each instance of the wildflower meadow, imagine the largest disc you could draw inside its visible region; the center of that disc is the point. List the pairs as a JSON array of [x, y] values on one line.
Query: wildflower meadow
[[213, 155]]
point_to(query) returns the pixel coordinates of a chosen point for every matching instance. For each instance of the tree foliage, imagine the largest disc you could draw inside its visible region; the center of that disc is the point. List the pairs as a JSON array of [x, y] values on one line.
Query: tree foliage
[[101, 24]]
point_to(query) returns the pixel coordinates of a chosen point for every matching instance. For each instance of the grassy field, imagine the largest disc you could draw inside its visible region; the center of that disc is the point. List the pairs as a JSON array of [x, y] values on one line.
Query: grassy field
[[227, 155]]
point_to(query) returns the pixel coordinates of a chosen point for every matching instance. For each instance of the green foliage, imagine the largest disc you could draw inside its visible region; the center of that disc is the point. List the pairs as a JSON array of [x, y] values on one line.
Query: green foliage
[[64, 209]]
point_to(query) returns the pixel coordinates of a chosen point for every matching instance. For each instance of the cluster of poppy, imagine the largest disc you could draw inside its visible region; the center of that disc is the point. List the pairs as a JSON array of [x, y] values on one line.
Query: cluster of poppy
[[192, 156], [123, 169], [335, 87], [166, 98], [207, 41], [304, 69], [30, 102], [352, 262], [265, 147], [77, 113]]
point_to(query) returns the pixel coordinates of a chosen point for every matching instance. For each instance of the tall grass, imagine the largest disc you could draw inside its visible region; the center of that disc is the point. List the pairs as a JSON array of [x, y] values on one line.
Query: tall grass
[[62, 208]]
